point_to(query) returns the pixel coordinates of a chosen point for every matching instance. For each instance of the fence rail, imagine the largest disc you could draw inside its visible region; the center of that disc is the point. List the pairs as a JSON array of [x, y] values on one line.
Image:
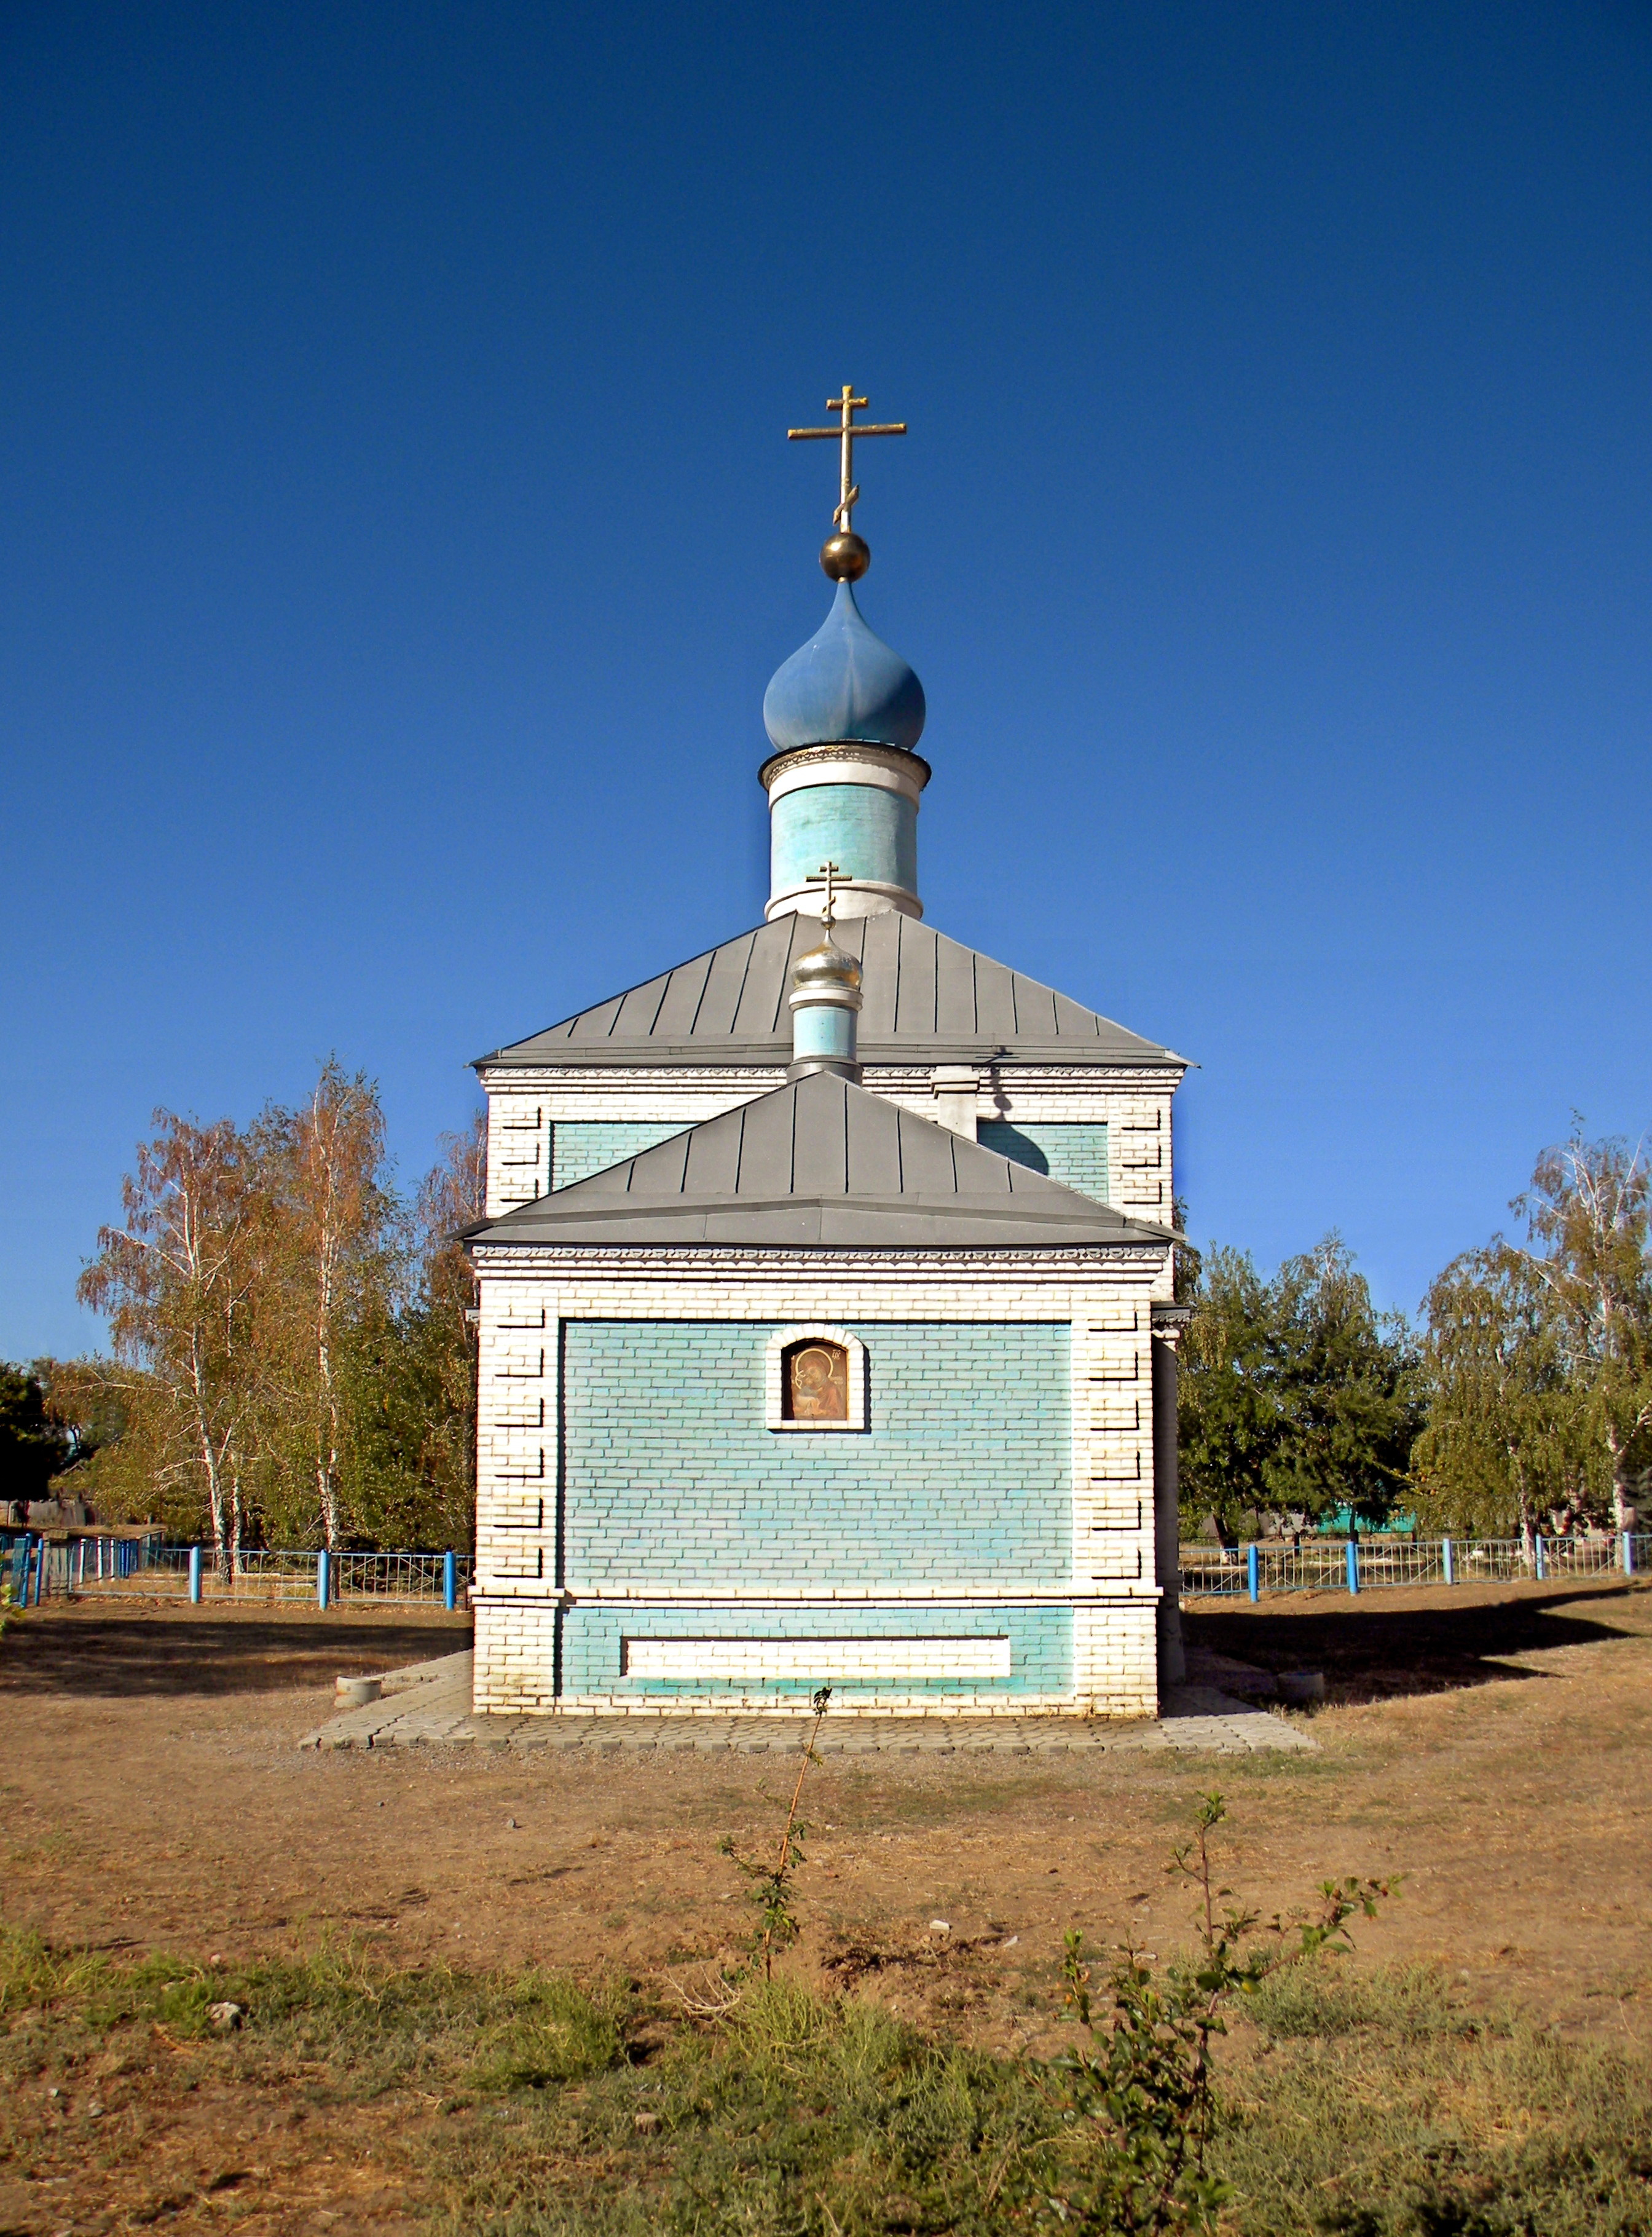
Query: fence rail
[[1371, 1564], [141, 1566]]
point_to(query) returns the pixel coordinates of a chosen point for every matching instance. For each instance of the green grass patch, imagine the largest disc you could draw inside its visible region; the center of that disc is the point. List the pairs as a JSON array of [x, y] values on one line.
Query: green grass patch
[[1379, 2107], [1368, 2103]]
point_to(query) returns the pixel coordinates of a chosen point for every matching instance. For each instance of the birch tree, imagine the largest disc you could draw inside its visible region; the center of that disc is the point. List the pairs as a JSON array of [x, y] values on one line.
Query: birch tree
[[330, 1277], [176, 1282], [1587, 1213], [293, 1356]]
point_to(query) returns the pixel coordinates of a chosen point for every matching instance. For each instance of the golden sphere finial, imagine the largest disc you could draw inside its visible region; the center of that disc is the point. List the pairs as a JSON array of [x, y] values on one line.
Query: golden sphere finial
[[846, 557]]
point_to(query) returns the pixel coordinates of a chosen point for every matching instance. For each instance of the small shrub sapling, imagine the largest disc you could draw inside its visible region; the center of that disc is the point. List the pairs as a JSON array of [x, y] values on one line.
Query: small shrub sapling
[[771, 1884], [1141, 2083]]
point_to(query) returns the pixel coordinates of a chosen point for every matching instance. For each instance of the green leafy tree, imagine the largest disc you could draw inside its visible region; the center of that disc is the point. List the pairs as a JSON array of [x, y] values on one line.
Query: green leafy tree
[[1298, 1396], [421, 1427], [1231, 1418], [126, 1460], [33, 1445], [1348, 1391], [1508, 1437], [90, 1415], [1187, 1260]]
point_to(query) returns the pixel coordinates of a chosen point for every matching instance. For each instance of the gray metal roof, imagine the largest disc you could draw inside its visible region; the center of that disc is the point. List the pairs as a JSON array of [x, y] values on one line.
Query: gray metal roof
[[928, 1000], [819, 1164]]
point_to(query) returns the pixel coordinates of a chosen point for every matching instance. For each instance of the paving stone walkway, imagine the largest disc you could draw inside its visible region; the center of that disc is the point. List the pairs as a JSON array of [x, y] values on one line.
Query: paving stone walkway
[[428, 1704]]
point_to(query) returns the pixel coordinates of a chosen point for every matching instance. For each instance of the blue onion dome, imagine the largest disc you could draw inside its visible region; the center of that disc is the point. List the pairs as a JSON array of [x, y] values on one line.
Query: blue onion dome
[[844, 686]]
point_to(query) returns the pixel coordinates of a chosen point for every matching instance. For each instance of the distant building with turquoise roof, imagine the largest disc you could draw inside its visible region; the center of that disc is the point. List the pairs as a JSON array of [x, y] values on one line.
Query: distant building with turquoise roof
[[827, 1332]]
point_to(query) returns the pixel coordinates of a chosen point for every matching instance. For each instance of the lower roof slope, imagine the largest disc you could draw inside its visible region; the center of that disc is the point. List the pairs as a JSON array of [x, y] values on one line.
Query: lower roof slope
[[928, 1000], [821, 1163]]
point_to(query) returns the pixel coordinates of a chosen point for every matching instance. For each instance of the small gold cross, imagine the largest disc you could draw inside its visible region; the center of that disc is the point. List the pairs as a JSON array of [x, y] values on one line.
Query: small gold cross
[[826, 875], [846, 406]]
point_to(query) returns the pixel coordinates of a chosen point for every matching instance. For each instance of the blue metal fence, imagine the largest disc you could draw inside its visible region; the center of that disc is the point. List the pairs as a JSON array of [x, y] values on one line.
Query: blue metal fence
[[35, 1565], [1370, 1564], [141, 1565]]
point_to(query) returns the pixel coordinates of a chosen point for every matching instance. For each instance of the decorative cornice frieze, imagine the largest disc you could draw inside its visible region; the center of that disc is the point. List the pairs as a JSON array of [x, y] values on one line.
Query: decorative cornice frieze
[[746, 1079], [699, 1079], [1170, 1323], [1157, 1071], [620, 1262], [911, 769]]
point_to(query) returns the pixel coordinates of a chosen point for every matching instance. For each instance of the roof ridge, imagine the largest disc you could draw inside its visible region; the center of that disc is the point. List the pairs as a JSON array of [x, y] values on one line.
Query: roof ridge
[[1069, 1031]]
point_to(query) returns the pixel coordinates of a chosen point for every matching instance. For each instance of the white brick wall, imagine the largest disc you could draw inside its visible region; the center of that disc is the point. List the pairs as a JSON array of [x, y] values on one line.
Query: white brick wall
[[1134, 1100], [1104, 1296], [1114, 1643], [516, 1647], [523, 1106]]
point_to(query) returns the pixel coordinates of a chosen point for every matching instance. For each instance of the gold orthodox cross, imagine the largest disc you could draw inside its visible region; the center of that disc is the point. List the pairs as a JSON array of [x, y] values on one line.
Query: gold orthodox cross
[[827, 873], [846, 405]]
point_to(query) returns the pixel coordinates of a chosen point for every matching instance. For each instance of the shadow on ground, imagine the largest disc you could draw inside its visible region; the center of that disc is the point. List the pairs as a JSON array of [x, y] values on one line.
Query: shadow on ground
[[182, 1652], [1370, 1652]]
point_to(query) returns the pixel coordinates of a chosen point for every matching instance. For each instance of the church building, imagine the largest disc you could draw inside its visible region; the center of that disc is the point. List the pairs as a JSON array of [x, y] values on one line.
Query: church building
[[827, 1332]]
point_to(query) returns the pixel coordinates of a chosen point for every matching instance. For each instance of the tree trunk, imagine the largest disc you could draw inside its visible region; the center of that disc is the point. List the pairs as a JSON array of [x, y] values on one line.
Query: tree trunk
[[212, 1465], [326, 1457], [1625, 1513], [234, 1516]]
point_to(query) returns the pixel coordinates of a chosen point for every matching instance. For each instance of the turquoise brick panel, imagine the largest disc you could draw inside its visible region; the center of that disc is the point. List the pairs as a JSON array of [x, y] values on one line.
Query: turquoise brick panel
[[1073, 1152], [581, 1146], [869, 833], [964, 1476], [1040, 1646]]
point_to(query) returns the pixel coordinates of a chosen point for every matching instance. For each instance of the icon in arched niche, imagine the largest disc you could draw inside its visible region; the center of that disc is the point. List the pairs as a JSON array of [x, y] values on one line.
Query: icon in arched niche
[[815, 1381]]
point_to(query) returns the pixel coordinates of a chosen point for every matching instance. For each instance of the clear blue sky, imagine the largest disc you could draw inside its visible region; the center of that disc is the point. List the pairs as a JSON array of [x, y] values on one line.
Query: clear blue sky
[[398, 534]]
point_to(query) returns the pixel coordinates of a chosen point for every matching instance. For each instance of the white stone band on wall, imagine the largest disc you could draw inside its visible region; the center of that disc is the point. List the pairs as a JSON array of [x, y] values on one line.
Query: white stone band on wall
[[891, 767], [818, 1661], [867, 897]]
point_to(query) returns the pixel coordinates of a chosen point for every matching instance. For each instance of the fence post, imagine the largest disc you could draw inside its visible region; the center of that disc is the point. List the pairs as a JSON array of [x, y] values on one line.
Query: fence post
[[1448, 1560], [1253, 1580], [450, 1580], [194, 1574], [1629, 1553], [1538, 1548], [40, 1571], [322, 1580], [1353, 1564]]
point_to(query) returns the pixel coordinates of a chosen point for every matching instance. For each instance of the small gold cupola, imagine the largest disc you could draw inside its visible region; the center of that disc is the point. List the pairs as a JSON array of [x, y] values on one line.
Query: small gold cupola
[[824, 998]]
